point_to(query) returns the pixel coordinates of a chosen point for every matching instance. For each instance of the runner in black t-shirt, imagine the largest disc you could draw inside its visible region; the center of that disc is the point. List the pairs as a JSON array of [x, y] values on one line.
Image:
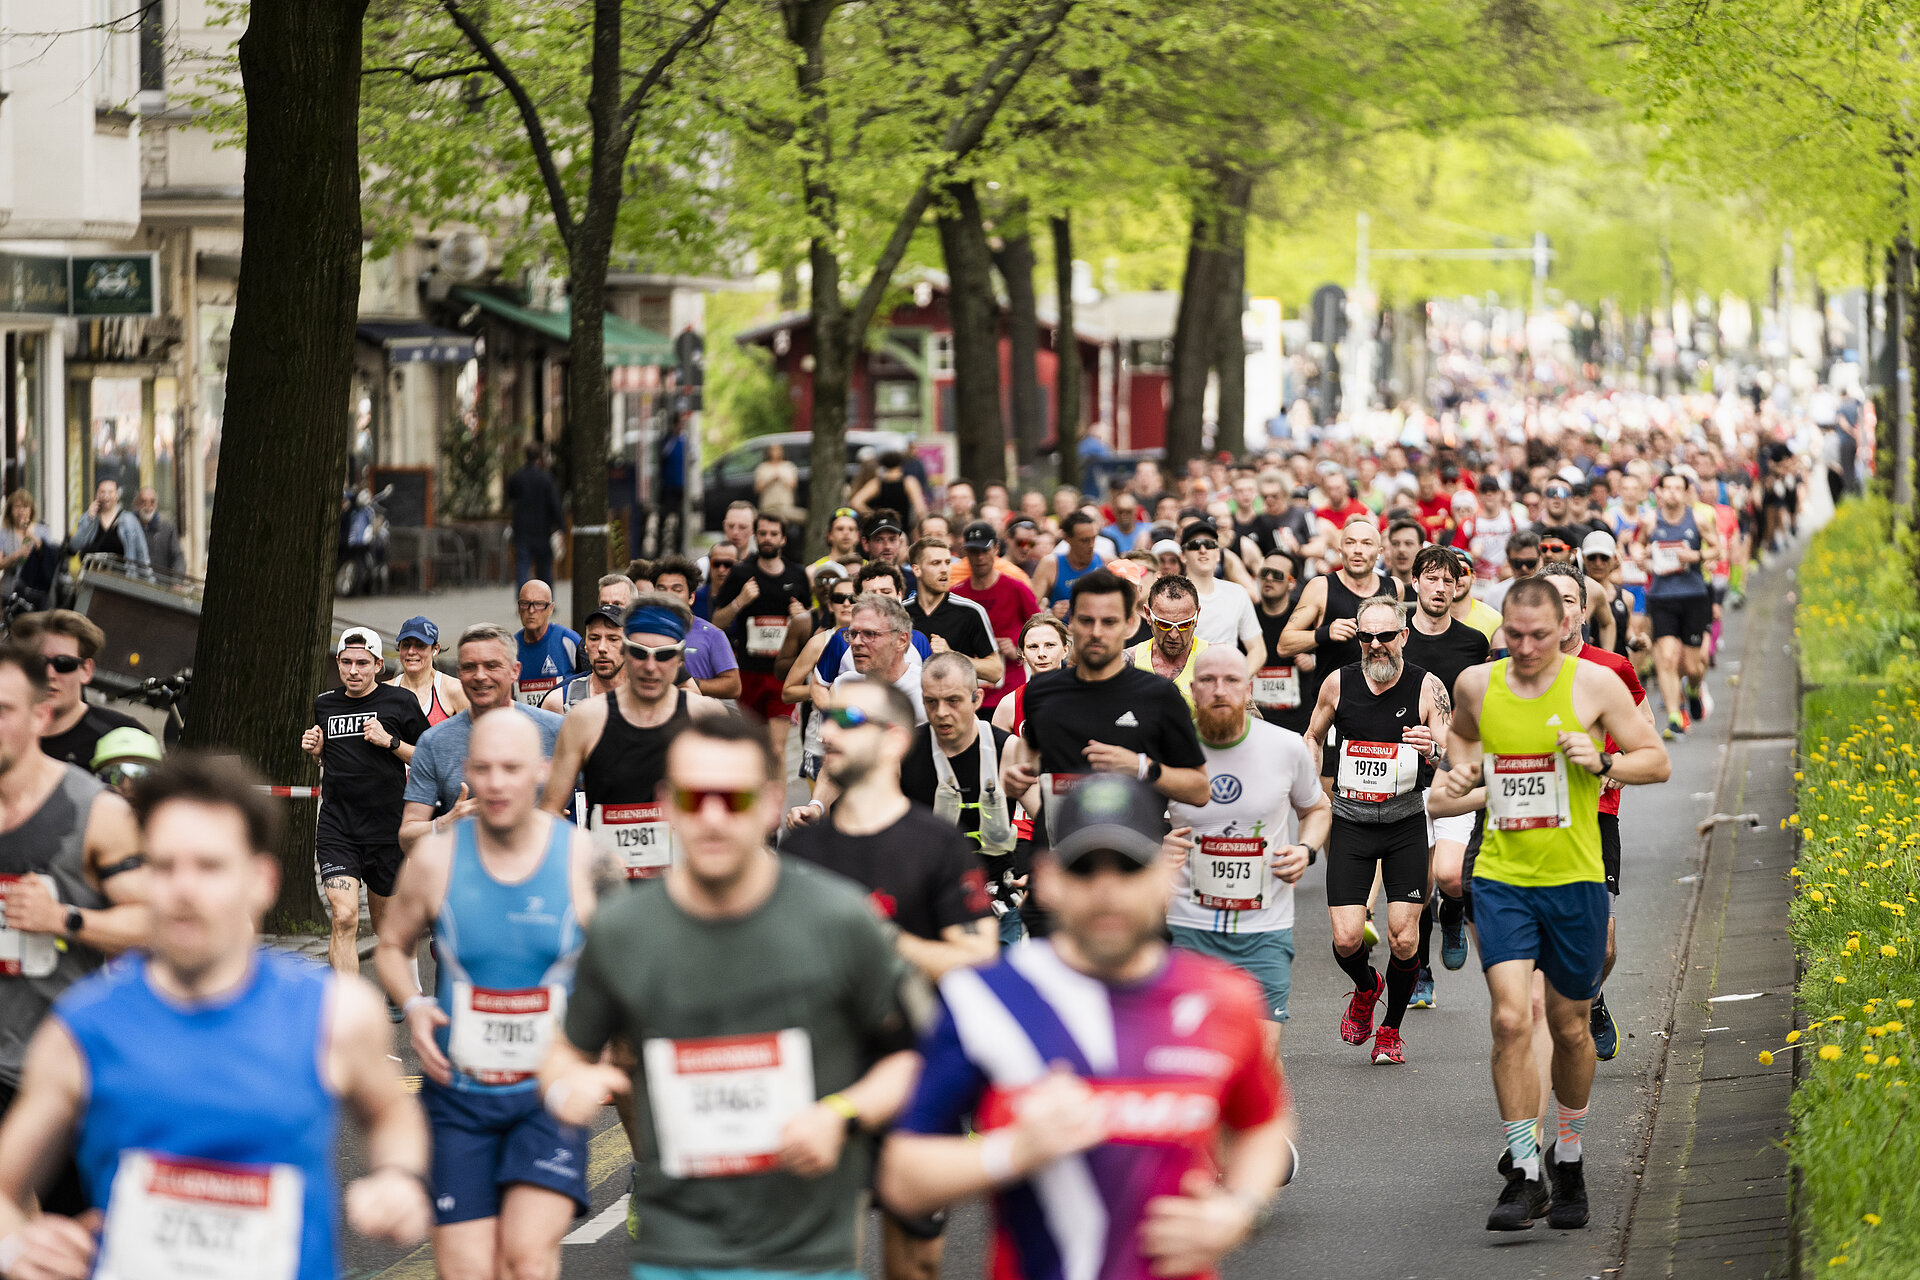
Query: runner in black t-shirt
[[1103, 714], [363, 735], [951, 623], [919, 871], [754, 607], [1279, 686]]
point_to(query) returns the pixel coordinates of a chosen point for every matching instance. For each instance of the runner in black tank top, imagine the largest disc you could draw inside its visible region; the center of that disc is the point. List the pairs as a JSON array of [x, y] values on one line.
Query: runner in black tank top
[[1380, 723], [628, 762]]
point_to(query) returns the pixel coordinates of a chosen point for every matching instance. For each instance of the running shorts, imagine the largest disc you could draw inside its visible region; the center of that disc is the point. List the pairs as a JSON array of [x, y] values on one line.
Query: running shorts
[[1687, 617], [1562, 928], [1399, 848], [1610, 850], [1458, 828], [485, 1142], [374, 865], [760, 694], [1267, 958]]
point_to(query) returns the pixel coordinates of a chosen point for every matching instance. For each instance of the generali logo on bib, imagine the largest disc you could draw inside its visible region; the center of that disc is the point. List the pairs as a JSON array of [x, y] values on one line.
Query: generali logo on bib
[[210, 1183], [730, 1053], [1138, 1111]]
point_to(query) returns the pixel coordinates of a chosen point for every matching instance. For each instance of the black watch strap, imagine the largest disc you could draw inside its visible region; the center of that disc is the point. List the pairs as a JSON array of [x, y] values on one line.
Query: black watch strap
[[75, 922]]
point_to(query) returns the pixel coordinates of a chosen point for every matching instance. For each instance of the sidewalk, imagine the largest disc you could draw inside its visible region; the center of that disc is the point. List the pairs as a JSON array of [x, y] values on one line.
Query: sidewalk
[[453, 610], [1715, 1198]]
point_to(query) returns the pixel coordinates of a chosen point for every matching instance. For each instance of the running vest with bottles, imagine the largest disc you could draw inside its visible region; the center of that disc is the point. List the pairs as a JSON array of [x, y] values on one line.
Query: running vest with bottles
[[34, 970], [1377, 776], [577, 691], [1543, 825], [209, 1132], [994, 837], [507, 953], [620, 779], [1671, 579]]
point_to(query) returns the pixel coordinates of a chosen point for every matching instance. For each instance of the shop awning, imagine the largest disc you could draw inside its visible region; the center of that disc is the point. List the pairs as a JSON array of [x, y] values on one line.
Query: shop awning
[[410, 342], [626, 343]]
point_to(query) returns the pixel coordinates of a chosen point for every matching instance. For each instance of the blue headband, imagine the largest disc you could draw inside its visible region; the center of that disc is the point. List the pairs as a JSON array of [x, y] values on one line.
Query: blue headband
[[656, 621]]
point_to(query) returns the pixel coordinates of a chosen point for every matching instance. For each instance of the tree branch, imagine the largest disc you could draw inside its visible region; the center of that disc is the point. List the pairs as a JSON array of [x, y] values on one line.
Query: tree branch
[[698, 29], [529, 116], [963, 134]]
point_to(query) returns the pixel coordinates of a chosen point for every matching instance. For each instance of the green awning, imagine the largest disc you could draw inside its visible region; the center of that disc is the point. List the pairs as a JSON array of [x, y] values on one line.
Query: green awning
[[626, 343]]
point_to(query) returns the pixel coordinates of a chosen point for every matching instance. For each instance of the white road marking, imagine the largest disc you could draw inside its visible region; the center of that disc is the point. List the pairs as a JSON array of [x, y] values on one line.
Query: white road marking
[[614, 1215]]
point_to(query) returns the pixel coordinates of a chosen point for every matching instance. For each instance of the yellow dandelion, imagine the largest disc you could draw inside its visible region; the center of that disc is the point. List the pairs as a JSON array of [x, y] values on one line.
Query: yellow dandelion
[[1829, 1052]]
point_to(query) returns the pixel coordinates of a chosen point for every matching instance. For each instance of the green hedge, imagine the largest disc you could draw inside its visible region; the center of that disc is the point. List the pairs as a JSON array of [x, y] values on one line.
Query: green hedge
[[1856, 908]]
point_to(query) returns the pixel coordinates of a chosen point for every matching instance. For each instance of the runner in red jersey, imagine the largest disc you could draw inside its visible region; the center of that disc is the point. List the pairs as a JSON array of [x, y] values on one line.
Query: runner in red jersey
[[1104, 1069]]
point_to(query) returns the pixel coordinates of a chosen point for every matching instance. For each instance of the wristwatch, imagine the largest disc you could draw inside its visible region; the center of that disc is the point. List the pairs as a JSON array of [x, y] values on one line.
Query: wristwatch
[[1606, 763], [75, 922]]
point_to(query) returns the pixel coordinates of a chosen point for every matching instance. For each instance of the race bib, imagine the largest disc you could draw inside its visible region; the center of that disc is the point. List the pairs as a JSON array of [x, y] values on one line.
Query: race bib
[[720, 1103], [532, 692], [501, 1037], [1524, 792], [28, 955], [171, 1218], [638, 834], [1276, 688], [1229, 873], [766, 635], [1376, 771], [1666, 557]]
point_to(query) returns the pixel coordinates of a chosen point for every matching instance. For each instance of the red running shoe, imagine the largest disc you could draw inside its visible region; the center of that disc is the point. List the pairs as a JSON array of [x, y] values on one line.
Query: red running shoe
[[1387, 1046], [1357, 1026]]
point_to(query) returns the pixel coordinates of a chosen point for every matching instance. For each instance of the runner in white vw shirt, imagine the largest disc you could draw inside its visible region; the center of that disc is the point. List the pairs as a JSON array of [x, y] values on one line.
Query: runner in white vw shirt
[[1233, 897]]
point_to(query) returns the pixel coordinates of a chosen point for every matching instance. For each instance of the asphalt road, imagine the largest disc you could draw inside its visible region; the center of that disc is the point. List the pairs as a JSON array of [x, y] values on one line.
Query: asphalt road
[[1397, 1163]]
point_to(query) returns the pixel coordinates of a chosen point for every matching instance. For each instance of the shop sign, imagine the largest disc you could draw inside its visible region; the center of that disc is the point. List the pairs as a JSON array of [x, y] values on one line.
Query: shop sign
[[118, 284], [32, 285]]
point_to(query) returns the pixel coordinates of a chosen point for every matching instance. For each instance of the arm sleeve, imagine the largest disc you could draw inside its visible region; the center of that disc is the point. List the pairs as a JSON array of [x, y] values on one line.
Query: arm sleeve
[[950, 1084], [592, 1013]]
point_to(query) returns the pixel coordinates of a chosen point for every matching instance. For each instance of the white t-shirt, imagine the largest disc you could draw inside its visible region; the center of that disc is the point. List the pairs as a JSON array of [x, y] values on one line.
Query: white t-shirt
[[1226, 615], [908, 683], [1256, 786]]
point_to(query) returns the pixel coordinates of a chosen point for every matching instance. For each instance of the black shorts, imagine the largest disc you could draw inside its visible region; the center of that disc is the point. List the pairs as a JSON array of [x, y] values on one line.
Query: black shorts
[[1400, 849], [1610, 850], [1687, 617], [375, 865]]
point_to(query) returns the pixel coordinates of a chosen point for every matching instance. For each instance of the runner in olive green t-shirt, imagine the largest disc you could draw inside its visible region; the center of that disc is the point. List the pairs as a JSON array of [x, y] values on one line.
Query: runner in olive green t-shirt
[[762, 999]]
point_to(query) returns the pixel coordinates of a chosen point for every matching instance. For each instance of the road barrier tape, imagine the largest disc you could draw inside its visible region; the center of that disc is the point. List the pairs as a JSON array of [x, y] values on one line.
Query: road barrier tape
[[292, 793]]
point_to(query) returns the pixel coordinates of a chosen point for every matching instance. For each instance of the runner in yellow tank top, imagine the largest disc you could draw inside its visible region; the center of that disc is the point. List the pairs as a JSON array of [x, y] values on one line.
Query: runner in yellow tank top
[[1525, 739]]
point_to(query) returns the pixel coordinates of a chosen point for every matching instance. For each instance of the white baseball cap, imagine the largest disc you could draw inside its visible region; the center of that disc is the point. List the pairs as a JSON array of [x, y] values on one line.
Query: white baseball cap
[[360, 637], [1166, 547], [1599, 543]]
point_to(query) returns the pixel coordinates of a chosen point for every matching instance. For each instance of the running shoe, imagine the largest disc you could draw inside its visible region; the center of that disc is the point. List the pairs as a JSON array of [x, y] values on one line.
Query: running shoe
[[1696, 710], [1521, 1201], [1369, 934], [1606, 1033], [1675, 728], [1453, 942], [1706, 702], [1569, 1211], [1357, 1026], [1388, 1047], [1422, 997]]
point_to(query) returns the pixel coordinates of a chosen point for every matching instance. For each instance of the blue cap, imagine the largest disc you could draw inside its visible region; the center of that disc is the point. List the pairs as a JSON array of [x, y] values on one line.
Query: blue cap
[[419, 628]]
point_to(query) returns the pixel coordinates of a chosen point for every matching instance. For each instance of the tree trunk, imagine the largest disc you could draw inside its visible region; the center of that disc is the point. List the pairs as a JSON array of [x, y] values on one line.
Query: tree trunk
[[1066, 369], [268, 608], [1230, 351], [1218, 235], [589, 399], [978, 427], [1016, 263]]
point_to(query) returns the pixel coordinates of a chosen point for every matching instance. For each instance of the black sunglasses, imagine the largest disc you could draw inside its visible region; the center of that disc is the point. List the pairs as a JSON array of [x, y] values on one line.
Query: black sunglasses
[[1376, 637], [1524, 566], [1089, 865], [1202, 544], [65, 663], [840, 597]]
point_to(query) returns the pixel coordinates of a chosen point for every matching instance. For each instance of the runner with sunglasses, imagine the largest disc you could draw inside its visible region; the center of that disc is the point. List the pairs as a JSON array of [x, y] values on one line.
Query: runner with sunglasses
[[617, 745], [1323, 622], [124, 757], [1226, 610], [759, 991], [68, 641], [1388, 721], [1173, 620], [1277, 686], [1134, 1122]]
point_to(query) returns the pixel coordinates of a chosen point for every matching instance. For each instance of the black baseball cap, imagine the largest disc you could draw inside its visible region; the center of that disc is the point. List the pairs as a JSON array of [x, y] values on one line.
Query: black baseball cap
[[1108, 811], [883, 522], [605, 613], [978, 536]]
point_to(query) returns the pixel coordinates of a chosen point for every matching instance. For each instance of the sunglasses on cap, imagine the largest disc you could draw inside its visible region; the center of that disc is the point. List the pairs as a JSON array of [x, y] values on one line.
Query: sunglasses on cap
[[65, 663], [694, 799], [1092, 864], [854, 717], [1377, 637], [844, 511], [664, 654]]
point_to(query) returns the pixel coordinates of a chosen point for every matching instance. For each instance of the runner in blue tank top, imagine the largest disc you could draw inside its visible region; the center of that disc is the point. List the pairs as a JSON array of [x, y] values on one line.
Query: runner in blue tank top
[[201, 1083], [509, 892], [1053, 580]]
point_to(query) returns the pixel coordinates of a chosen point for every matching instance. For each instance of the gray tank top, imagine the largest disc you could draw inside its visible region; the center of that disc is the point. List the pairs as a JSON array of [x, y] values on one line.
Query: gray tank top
[[52, 843]]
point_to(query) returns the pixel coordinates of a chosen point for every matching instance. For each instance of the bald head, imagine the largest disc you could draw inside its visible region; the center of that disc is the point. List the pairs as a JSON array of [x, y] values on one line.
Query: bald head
[[1220, 660], [506, 768], [1222, 692], [536, 607]]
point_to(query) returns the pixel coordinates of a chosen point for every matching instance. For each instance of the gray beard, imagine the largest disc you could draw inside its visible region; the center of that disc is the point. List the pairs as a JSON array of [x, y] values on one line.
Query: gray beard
[[1386, 671]]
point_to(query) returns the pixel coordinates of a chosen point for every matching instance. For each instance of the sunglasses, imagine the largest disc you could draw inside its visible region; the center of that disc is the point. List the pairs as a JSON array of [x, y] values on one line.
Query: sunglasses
[[1598, 555], [694, 799], [1086, 868], [845, 511], [1164, 625], [838, 598], [1554, 548], [1376, 637], [1523, 566], [1202, 544], [664, 654], [125, 771], [854, 717], [1273, 575], [1559, 491], [65, 663]]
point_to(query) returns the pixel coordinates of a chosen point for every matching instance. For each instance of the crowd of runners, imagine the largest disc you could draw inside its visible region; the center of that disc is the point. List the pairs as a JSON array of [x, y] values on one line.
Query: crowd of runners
[[1060, 758]]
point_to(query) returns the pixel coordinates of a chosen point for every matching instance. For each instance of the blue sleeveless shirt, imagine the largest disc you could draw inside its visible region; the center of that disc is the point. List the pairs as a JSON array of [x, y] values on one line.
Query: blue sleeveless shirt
[[238, 1080], [500, 937]]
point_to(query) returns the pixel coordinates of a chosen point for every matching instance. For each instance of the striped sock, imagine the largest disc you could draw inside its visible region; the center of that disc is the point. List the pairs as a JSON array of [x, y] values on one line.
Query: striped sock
[[1573, 1121], [1523, 1143]]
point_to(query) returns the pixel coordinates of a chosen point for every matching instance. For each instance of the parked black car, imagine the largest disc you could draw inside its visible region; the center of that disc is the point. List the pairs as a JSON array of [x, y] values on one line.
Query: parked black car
[[730, 478]]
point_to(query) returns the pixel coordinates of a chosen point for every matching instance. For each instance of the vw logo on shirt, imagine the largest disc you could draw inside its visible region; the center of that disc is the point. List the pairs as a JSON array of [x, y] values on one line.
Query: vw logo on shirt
[[1225, 788]]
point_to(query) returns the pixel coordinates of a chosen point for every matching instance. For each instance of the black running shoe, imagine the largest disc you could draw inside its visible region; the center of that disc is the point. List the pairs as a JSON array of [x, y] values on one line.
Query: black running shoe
[[1606, 1032], [1569, 1181], [1521, 1201]]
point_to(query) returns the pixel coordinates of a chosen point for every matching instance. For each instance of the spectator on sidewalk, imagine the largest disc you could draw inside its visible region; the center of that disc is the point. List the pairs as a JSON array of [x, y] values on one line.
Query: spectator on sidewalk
[[163, 540], [107, 528], [537, 516], [68, 641]]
